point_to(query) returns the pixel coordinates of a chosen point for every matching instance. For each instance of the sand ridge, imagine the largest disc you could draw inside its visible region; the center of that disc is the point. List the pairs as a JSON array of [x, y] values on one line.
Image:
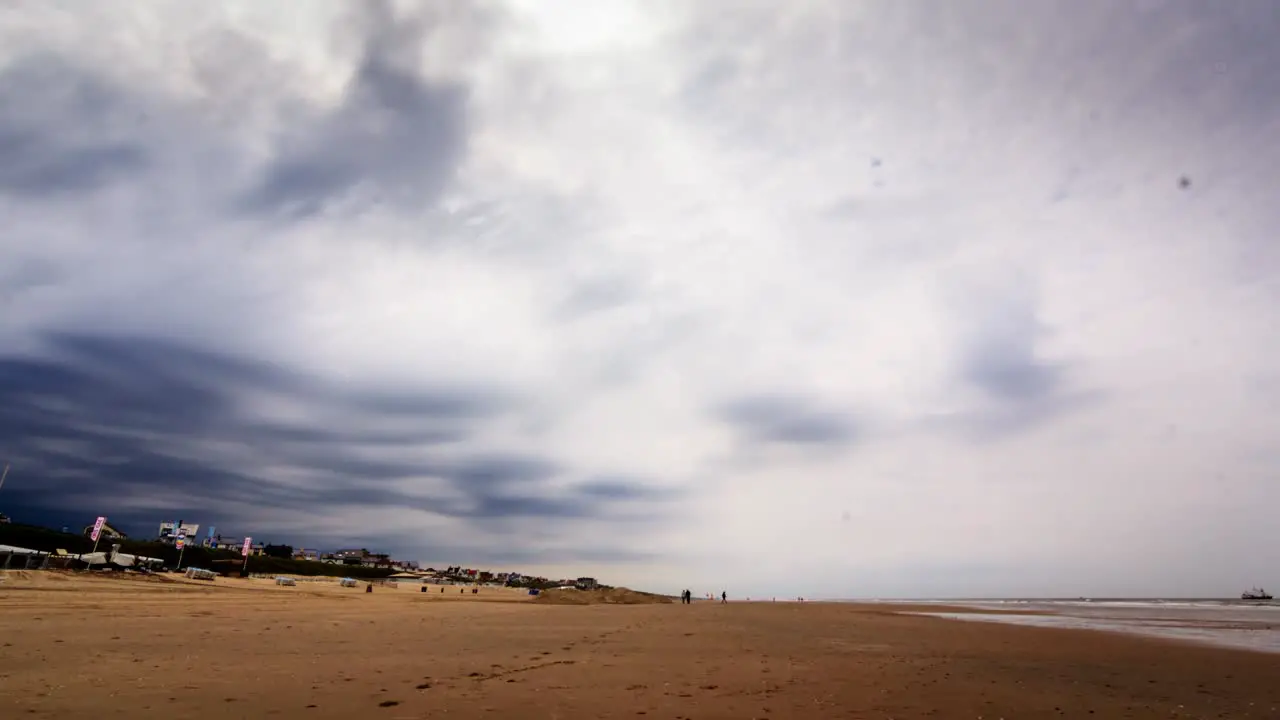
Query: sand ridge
[[610, 596]]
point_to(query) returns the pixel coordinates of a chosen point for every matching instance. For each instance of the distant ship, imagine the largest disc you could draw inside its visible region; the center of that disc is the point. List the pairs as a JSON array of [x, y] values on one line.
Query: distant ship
[[1255, 594]]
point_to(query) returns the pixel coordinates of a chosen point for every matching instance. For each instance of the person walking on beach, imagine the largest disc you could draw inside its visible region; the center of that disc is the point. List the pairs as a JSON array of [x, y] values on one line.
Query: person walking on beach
[[724, 597]]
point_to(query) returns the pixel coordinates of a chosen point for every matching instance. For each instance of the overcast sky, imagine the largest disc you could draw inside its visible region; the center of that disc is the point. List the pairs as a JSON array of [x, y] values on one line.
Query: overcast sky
[[839, 299]]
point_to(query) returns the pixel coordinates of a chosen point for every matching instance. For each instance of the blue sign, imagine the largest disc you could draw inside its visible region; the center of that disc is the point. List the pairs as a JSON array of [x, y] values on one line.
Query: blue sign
[[210, 531]]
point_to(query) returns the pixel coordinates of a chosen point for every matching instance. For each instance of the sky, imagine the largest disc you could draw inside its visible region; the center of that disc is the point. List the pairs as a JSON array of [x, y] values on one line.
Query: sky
[[832, 299]]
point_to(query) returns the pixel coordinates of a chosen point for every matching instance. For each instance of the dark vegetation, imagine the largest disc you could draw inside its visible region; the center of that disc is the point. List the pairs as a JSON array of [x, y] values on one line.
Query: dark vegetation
[[48, 540], [278, 551]]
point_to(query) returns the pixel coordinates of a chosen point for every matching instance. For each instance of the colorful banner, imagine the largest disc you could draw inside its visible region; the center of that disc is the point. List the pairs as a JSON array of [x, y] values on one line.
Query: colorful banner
[[211, 532], [97, 528], [181, 541], [248, 543]]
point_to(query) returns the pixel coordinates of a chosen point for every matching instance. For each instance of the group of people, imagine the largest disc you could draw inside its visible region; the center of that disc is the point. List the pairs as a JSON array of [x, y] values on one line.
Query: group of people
[[686, 597]]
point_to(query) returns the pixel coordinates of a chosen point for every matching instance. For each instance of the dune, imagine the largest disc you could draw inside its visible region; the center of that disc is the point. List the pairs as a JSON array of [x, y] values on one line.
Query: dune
[[611, 596]]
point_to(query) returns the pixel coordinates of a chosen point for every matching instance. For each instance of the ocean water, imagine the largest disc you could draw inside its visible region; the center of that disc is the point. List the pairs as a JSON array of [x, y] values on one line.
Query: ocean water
[[1248, 625]]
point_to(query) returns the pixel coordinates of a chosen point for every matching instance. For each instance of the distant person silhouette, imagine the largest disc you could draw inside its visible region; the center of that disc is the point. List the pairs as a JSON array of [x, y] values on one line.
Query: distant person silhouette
[[724, 597]]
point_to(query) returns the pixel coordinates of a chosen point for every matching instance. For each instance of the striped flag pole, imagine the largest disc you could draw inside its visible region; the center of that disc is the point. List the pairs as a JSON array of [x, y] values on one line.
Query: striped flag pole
[[97, 533]]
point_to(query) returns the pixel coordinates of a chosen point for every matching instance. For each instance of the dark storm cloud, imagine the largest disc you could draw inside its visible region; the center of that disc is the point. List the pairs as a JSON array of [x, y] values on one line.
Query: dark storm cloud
[[99, 422], [63, 130], [395, 135], [787, 420]]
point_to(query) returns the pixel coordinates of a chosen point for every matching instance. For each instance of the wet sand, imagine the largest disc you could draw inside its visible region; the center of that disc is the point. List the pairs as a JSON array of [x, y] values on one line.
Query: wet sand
[[103, 648]]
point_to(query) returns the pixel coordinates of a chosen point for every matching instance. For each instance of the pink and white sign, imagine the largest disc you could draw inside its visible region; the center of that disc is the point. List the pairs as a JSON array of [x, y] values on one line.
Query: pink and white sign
[[97, 528], [248, 543]]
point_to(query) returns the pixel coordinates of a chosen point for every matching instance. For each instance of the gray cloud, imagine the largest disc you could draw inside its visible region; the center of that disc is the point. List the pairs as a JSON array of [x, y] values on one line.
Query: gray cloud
[[595, 295], [1000, 358], [787, 420], [395, 137], [1001, 361], [63, 131], [97, 419]]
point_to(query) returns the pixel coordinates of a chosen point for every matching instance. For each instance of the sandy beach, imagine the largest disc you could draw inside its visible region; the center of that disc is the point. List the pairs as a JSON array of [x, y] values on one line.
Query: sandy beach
[[81, 647]]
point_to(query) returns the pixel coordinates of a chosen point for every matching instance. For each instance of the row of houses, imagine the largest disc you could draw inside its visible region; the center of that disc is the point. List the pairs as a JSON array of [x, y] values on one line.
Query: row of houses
[[169, 532], [359, 557]]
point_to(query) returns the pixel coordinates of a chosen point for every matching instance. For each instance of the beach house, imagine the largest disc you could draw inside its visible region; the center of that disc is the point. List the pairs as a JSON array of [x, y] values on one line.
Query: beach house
[[108, 532]]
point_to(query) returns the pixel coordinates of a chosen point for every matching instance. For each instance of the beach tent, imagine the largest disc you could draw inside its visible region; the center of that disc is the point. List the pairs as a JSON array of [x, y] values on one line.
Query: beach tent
[[16, 558], [200, 574], [286, 581], [91, 559], [348, 582]]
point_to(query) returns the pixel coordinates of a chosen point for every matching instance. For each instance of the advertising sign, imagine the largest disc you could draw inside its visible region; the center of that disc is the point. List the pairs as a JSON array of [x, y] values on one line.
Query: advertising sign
[[248, 543], [97, 528], [181, 542]]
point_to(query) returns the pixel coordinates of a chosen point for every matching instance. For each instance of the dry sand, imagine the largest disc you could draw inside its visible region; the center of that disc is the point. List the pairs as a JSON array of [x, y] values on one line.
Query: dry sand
[[76, 647]]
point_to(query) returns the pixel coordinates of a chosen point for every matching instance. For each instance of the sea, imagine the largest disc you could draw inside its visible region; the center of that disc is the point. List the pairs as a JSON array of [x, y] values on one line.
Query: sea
[[1245, 624]]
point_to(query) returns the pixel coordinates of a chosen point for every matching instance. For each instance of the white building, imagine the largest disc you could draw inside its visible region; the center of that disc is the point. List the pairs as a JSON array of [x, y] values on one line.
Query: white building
[[169, 531]]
